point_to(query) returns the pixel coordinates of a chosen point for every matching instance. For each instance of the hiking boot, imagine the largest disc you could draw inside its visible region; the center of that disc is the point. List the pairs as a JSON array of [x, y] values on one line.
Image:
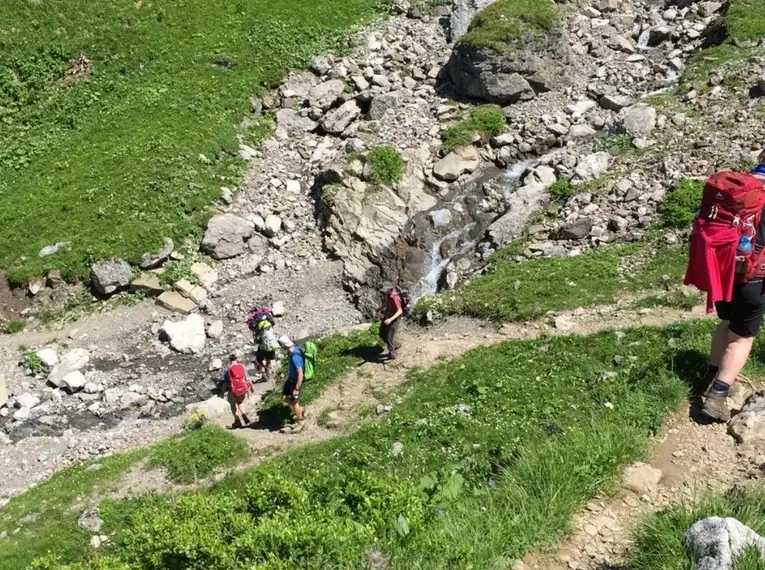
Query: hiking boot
[[237, 424], [246, 419], [716, 406]]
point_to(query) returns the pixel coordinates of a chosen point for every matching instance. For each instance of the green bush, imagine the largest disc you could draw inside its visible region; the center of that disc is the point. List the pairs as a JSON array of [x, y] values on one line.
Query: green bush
[[561, 190], [679, 208], [485, 120], [200, 452], [386, 164]]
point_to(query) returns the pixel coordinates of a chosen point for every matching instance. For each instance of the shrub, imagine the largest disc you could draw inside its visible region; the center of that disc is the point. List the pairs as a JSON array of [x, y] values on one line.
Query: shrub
[[174, 271], [680, 207], [486, 121], [196, 455], [386, 164], [197, 420], [33, 363], [562, 190]]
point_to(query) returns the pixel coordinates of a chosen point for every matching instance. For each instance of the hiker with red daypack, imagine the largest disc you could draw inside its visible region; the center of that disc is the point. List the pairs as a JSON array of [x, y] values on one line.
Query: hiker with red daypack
[[727, 261], [396, 302], [239, 387]]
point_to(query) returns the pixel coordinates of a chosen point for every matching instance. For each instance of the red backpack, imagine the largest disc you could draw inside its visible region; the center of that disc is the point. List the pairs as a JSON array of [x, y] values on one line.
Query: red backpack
[[237, 377], [731, 208]]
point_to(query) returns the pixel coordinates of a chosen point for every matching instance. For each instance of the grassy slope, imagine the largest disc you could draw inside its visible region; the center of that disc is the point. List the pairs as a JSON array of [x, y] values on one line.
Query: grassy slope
[[506, 22], [498, 448], [112, 163]]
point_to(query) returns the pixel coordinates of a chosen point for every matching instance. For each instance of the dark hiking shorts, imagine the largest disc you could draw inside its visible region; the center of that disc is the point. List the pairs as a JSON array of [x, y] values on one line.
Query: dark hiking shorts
[[289, 386], [262, 355], [745, 310]]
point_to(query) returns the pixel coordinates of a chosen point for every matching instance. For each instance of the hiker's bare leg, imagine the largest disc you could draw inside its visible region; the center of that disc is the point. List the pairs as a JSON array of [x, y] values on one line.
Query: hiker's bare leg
[[234, 409], [298, 411], [720, 339], [734, 358]]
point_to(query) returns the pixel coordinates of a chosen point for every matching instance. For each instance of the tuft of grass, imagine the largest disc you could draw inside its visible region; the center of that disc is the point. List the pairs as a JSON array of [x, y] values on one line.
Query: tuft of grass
[[197, 454], [12, 327], [120, 120], [515, 291], [509, 23], [485, 121], [676, 299], [562, 190], [174, 271], [386, 164], [623, 143], [659, 537], [679, 208]]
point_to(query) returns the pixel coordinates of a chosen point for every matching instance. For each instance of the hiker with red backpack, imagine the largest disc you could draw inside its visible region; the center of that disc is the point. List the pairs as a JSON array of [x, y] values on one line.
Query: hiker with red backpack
[[396, 303], [727, 261], [239, 387]]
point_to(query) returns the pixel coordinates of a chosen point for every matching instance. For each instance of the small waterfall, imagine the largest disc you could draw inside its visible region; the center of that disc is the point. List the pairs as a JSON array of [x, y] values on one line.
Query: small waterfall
[[428, 285], [643, 40]]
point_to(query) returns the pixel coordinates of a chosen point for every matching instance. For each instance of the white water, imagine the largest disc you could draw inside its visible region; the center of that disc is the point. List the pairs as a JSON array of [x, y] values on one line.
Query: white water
[[643, 40]]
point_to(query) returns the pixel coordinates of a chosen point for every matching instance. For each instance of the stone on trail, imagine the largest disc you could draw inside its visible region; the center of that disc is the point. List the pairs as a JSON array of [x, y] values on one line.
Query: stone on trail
[[47, 356], [564, 323], [339, 119], [639, 120], [641, 478], [215, 407], [110, 275], [176, 303], [226, 236], [456, 163], [273, 225], [73, 360], [278, 309], [749, 424], [73, 382], [206, 274], [716, 543], [147, 283], [187, 336], [190, 291]]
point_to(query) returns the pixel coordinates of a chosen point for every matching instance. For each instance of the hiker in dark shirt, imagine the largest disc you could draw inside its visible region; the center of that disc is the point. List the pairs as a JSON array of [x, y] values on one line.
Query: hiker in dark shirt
[[392, 313], [740, 320]]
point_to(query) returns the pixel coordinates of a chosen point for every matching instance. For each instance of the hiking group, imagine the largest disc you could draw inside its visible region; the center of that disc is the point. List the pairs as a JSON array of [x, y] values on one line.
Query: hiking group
[[301, 360], [727, 261]]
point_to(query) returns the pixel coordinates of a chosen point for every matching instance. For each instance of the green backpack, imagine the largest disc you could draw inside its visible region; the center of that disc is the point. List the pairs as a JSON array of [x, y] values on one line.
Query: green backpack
[[309, 351]]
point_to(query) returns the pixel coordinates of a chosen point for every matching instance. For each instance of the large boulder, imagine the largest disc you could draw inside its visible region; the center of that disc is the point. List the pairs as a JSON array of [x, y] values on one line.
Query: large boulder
[[463, 12], [456, 163], [72, 361], [110, 275], [382, 103], [524, 203], [717, 543], [290, 123], [325, 94], [187, 336], [226, 236], [341, 118], [639, 120], [504, 66]]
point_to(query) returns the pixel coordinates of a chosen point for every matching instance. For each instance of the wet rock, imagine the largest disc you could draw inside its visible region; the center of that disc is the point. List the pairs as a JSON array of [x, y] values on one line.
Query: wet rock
[[639, 120], [456, 163], [575, 230], [152, 261], [72, 361], [147, 283], [176, 303], [187, 336], [226, 236], [339, 119], [542, 174], [658, 35], [716, 543], [641, 478], [440, 218], [110, 275], [749, 424], [90, 520]]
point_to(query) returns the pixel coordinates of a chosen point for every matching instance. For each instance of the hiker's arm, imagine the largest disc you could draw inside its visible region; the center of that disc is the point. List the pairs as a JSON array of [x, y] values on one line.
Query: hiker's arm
[[299, 382], [398, 313]]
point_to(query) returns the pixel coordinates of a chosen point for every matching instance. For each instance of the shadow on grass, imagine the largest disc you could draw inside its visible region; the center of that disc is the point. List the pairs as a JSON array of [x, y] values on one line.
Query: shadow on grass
[[367, 353], [690, 367]]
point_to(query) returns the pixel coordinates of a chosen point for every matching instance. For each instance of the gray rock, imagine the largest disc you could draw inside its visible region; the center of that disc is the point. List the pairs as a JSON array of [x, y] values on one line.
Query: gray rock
[[215, 330], [226, 235], [716, 543], [575, 230], [456, 163], [620, 43], [542, 174], [22, 414], [187, 336], [110, 275], [112, 395], [641, 478], [659, 35], [176, 303], [639, 120], [292, 124], [48, 357], [749, 424], [215, 407], [463, 12], [27, 400], [615, 102], [72, 361], [272, 226], [73, 382], [152, 261], [524, 203], [593, 166], [132, 400], [383, 103], [55, 248], [320, 65], [278, 309], [581, 132], [440, 218], [325, 94], [339, 119], [90, 520], [147, 283]]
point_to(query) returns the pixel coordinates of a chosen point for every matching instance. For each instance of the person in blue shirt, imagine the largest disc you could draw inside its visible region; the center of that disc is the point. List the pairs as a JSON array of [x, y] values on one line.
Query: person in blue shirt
[[294, 382]]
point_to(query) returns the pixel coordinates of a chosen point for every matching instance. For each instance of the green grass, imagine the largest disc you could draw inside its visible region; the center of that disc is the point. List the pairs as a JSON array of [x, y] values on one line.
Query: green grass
[[198, 454], [336, 355], [507, 23], [386, 164], [485, 121], [520, 291], [138, 150], [484, 458], [679, 208], [623, 143], [58, 503], [676, 299], [659, 537], [12, 327]]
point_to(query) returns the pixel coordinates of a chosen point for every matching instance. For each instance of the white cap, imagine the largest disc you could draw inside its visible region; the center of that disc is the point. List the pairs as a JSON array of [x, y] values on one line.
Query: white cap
[[285, 342]]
